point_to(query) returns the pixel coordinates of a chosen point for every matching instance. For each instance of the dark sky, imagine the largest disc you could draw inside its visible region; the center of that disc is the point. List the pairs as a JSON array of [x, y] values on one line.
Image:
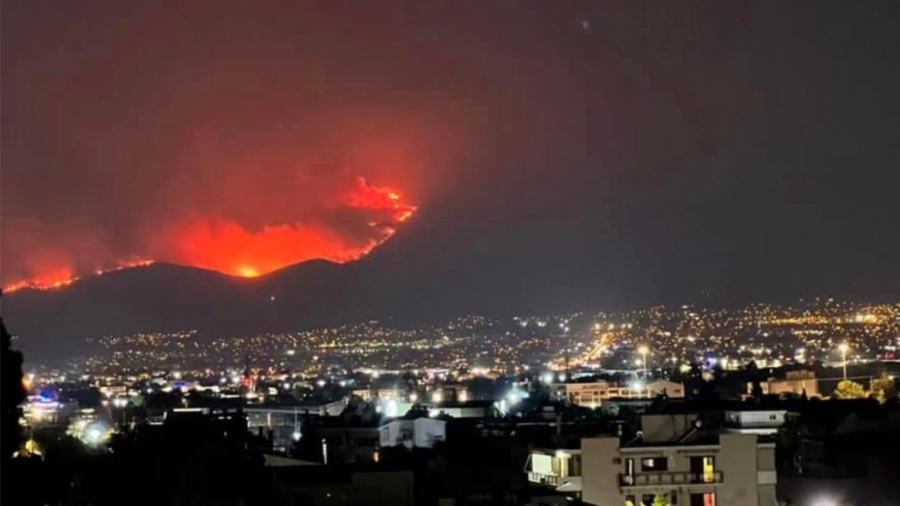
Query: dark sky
[[612, 152]]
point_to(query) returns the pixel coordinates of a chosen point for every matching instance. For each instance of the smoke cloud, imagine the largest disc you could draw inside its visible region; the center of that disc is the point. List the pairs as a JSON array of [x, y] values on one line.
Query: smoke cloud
[[208, 137]]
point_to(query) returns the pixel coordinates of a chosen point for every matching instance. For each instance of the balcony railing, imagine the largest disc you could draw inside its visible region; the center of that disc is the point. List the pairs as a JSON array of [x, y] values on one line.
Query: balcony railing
[[671, 478], [544, 479]]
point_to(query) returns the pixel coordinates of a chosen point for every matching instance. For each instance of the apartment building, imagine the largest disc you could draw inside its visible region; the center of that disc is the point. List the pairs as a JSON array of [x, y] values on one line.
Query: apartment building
[[795, 383], [735, 470], [412, 433], [756, 421], [675, 454], [592, 395]]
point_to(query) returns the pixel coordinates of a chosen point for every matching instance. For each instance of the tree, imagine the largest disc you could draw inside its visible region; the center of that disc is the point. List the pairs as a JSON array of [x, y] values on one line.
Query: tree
[[883, 388], [847, 389], [11, 396], [662, 499]]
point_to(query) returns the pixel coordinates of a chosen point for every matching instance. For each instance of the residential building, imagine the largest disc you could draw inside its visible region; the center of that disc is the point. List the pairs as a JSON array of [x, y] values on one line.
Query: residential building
[[471, 409], [559, 469], [284, 422], [412, 433], [761, 421], [673, 454], [795, 383], [593, 394], [735, 470]]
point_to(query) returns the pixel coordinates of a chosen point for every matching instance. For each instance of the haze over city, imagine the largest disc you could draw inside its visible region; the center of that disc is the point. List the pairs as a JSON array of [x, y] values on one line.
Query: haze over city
[[631, 156]]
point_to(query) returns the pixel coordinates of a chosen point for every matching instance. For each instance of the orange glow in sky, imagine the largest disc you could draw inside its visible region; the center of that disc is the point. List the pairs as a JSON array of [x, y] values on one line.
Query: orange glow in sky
[[362, 219], [227, 246]]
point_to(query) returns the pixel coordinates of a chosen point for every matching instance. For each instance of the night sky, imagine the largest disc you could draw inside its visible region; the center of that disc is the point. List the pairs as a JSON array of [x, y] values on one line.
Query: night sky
[[605, 152]]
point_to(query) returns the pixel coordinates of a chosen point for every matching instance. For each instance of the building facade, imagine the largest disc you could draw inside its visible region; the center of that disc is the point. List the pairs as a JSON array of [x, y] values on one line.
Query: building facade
[[795, 383], [735, 470], [419, 433], [592, 395]]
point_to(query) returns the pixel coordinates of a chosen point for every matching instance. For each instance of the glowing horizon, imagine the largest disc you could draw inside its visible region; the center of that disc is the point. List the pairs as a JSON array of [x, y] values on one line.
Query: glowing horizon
[[227, 247]]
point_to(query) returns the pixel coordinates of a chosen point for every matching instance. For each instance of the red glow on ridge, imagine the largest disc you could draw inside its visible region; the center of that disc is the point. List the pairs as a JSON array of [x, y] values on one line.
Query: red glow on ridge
[[59, 278], [226, 246], [360, 220]]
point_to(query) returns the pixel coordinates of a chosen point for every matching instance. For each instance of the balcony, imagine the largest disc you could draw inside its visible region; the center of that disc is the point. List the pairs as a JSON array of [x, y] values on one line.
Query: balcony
[[671, 478], [545, 479]]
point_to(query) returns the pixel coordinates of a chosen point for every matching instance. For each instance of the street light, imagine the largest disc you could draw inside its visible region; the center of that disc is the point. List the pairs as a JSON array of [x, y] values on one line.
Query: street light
[[843, 347], [643, 350]]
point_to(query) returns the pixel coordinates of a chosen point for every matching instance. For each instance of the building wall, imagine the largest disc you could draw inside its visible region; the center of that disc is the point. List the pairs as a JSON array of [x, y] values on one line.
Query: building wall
[[421, 433], [792, 385], [600, 471], [662, 428], [745, 472], [587, 394], [389, 434], [460, 412], [428, 431], [737, 459], [772, 418], [593, 394], [671, 389], [767, 477]]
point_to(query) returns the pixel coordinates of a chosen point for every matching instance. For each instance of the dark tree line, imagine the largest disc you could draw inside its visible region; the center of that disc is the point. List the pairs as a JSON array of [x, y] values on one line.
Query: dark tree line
[[11, 396]]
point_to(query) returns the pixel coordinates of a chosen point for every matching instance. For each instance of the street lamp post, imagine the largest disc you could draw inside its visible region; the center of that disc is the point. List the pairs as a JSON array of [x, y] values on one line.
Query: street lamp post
[[843, 347], [643, 350]]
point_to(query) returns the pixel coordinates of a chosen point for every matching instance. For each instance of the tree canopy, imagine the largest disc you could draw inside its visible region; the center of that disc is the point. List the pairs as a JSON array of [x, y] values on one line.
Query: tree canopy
[[12, 394], [848, 389]]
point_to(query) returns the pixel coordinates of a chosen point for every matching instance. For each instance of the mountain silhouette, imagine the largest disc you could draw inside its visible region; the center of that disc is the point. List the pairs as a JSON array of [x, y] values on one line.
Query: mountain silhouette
[[423, 274]]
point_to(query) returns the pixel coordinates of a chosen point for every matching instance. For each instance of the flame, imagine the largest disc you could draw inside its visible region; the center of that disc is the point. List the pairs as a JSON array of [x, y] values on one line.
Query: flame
[[229, 247], [48, 280], [59, 278], [248, 272]]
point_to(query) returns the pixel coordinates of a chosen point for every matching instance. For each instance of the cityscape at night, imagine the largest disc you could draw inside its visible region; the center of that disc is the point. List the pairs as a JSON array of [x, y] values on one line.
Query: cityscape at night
[[450, 253], [768, 335]]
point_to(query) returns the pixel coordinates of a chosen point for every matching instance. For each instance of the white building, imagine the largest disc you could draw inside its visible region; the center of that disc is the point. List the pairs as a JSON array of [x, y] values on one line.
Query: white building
[[795, 383], [419, 433], [592, 395], [285, 422], [762, 422], [471, 409]]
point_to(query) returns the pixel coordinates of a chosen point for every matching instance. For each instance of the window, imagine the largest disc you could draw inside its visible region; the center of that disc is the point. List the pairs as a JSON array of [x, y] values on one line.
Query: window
[[629, 471], [703, 469], [709, 472], [655, 464], [708, 499], [647, 499]]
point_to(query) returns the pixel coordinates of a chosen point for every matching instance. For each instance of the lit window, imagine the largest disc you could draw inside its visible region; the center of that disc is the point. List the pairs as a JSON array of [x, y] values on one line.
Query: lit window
[[655, 464]]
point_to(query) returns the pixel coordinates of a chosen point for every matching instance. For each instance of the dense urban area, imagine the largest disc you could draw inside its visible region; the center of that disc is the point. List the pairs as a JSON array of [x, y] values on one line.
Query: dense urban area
[[482, 410]]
